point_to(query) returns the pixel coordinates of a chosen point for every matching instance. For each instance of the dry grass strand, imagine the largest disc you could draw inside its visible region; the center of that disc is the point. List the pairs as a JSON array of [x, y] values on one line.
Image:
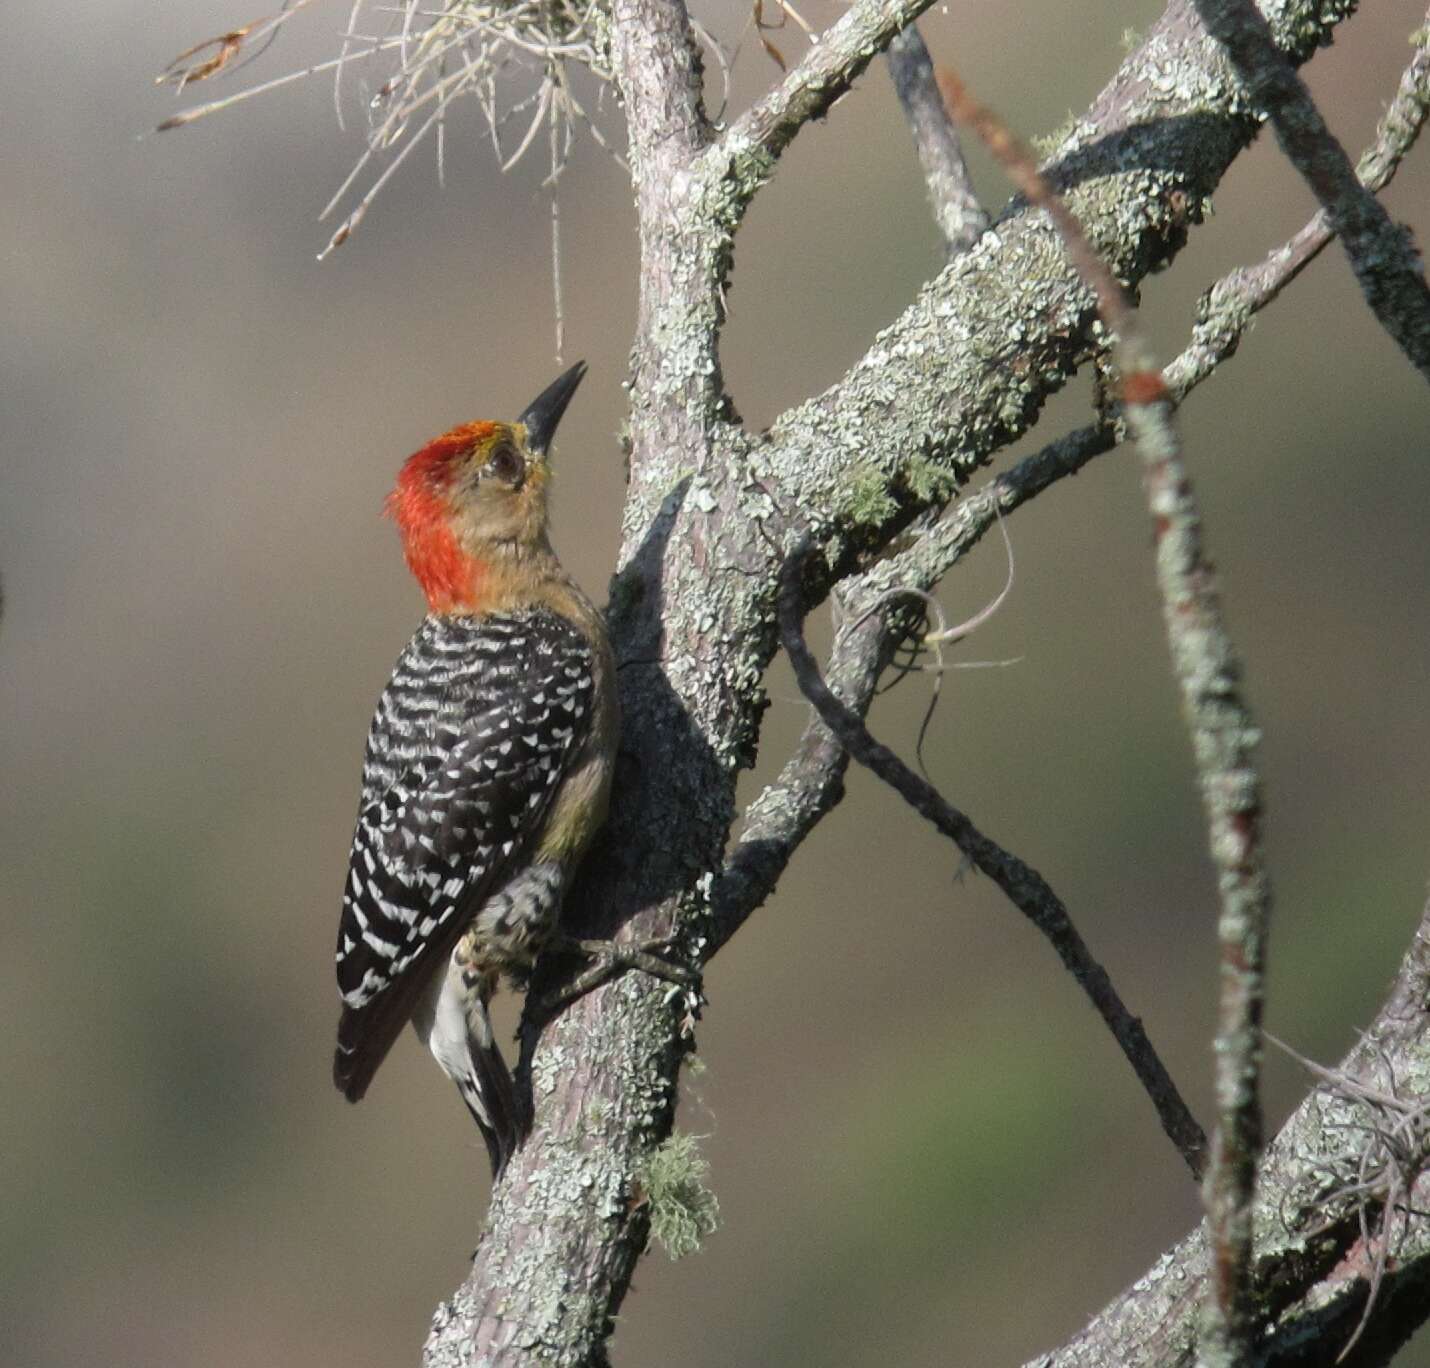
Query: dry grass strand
[[509, 57]]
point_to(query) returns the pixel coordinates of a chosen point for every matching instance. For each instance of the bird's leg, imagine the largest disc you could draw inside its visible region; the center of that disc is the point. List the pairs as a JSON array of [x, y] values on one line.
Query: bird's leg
[[609, 959]]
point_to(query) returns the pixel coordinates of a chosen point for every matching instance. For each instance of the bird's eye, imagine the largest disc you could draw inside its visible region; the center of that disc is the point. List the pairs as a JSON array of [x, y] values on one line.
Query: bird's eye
[[506, 464]]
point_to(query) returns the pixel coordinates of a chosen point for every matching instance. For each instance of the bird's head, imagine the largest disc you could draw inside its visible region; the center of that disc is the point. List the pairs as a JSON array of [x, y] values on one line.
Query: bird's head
[[472, 502]]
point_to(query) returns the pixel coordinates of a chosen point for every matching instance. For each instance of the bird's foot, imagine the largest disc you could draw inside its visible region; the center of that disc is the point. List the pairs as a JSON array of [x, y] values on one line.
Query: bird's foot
[[609, 959]]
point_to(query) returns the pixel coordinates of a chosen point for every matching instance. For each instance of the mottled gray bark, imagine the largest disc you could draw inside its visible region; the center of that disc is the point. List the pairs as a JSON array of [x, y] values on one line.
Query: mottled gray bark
[[712, 513]]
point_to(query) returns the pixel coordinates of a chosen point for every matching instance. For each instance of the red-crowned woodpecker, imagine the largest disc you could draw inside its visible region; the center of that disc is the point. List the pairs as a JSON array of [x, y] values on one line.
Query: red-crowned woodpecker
[[488, 764]]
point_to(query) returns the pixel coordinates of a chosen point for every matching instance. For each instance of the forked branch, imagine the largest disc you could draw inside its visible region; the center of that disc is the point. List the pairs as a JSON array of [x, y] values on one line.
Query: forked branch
[[1382, 253]]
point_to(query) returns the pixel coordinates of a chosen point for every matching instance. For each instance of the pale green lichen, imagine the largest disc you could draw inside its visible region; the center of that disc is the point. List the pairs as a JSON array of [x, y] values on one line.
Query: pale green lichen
[[694, 1065], [683, 1210], [868, 502], [929, 482]]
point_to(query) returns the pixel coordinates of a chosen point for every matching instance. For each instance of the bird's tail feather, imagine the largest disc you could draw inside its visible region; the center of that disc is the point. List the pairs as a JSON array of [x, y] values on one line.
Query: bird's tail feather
[[490, 1096]]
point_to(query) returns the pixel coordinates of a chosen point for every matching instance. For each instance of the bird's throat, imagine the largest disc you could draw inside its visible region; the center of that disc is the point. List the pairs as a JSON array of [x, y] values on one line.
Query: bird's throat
[[453, 580]]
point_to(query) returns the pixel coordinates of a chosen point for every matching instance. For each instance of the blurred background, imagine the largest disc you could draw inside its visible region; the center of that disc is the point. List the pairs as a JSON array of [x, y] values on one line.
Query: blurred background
[[924, 1146]]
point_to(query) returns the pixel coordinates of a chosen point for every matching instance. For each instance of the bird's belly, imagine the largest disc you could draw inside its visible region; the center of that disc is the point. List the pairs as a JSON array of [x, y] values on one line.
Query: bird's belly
[[513, 924]]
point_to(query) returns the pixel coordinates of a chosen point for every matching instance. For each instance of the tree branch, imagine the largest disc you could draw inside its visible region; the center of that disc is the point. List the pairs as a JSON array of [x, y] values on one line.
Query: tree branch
[[1025, 888], [961, 218], [1228, 306], [753, 143], [1224, 740], [658, 61], [810, 785], [1382, 253], [963, 371]]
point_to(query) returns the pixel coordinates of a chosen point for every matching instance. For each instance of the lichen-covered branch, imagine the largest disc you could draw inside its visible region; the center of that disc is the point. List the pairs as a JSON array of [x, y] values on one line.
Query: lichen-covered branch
[[1224, 741], [1227, 308], [1382, 253], [961, 218], [968, 365], [810, 784], [753, 143], [713, 510]]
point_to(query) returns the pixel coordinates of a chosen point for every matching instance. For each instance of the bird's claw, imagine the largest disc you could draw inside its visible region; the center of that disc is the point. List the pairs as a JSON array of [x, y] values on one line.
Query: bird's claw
[[608, 959]]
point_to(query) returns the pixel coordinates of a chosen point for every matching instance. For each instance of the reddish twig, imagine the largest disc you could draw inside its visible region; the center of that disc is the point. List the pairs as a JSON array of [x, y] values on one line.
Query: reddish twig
[[1224, 739]]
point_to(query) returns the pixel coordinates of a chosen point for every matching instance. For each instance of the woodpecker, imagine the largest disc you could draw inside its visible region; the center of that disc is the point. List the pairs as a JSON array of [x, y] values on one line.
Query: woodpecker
[[488, 765]]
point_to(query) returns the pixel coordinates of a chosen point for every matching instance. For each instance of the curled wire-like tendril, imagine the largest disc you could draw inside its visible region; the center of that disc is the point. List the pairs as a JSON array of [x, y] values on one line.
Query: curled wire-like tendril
[[919, 642]]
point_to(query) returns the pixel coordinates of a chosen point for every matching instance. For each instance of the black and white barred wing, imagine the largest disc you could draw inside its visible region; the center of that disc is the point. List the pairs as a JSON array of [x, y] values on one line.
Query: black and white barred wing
[[442, 838]]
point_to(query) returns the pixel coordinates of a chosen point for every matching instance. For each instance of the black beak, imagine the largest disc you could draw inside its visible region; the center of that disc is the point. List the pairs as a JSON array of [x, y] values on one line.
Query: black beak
[[544, 412]]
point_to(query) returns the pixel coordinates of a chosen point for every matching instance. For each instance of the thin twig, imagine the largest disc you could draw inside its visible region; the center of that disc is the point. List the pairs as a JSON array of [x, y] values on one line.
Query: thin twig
[[1382, 253], [1224, 740], [1025, 887], [810, 784], [187, 116], [960, 217], [213, 55], [557, 302], [441, 52]]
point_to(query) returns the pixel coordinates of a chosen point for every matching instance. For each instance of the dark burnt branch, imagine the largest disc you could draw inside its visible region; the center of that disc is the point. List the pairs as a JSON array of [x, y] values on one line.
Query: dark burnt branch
[[1382, 253], [1025, 888], [961, 218]]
